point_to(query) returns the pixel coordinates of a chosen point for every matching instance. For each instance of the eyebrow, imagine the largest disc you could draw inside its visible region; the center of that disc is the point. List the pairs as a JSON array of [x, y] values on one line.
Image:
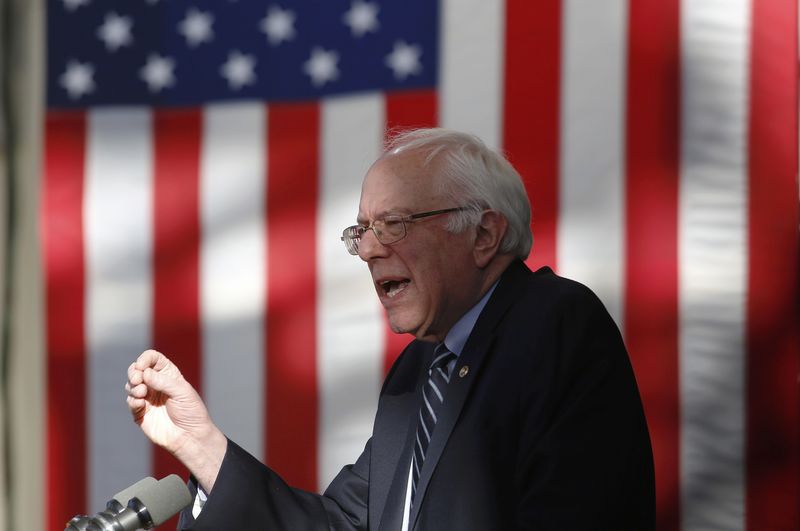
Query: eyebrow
[[393, 212]]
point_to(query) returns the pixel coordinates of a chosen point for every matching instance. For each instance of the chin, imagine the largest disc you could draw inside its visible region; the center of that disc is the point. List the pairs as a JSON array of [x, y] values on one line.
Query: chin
[[399, 328], [402, 326]]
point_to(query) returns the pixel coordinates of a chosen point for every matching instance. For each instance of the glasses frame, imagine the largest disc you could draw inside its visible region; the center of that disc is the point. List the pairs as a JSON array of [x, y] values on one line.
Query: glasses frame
[[351, 242]]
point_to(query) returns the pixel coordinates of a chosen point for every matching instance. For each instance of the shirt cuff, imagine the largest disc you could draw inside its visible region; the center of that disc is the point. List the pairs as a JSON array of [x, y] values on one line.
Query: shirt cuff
[[199, 501]]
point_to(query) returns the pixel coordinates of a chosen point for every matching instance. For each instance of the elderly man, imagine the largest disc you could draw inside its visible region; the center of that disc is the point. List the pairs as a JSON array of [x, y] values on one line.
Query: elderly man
[[514, 408]]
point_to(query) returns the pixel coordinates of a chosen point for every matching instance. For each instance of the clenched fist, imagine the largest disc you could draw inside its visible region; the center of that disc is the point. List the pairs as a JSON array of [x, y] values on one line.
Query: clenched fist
[[173, 416]]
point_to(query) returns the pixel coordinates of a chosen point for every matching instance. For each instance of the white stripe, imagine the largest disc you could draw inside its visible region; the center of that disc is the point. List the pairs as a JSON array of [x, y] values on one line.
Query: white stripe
[[233, 269], [419, 447], [436, 390], [439, 357], [713, 276], [471, 67], [430, 409], [424, 427], [118, 213], [591, 212], [350, 318]]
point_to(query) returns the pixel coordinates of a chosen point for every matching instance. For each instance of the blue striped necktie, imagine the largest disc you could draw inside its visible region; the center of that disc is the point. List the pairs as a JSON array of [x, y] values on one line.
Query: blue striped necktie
[[433, 393]]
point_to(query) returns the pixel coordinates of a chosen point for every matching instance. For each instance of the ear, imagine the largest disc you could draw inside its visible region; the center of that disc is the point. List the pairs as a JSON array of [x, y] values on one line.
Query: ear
[[488, 234]]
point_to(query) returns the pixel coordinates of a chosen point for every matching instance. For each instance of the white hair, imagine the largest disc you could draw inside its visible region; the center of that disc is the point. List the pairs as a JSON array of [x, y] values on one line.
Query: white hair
[[475, 177]]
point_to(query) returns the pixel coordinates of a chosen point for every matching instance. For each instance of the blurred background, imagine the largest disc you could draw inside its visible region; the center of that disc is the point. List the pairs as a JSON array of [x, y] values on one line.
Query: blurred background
[[177, 173]]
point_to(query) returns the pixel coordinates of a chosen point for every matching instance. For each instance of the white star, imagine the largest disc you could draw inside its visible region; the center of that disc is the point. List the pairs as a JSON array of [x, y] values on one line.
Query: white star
[[238, 70], [77, 79], [404, 60], [321, 66], [196, 27], [158, 72], [115, 31], [278, 25], [361, 17], [72, 5]]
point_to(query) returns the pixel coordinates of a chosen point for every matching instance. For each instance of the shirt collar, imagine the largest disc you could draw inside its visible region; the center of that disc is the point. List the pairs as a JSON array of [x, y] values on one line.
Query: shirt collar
[[457, 336]]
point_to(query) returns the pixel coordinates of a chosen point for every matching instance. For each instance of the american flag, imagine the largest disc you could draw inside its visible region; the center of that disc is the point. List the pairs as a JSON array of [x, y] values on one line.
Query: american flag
[[202, 157]]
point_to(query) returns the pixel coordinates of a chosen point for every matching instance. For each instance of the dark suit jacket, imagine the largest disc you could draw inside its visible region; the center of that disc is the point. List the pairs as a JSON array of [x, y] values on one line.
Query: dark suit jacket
[[542, 429]]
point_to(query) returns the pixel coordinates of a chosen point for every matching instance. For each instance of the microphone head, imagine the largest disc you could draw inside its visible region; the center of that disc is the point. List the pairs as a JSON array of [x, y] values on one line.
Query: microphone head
[[164, 499], [120, 500]]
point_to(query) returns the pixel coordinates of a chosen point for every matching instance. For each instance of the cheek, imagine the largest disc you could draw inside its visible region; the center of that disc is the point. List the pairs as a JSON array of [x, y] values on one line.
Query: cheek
[[427, 273], [436, 284], [436, 265]]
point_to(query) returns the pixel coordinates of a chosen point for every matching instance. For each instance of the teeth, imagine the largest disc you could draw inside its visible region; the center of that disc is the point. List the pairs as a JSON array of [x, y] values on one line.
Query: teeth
[[393, 287]]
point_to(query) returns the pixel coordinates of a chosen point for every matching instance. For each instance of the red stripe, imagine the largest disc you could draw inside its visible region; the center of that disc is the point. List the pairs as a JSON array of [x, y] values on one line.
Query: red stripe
[[410, 109], [176, 329], [406, 110], [292, 202], [531, 113], [651, 302], [62, 236], [773, 329]]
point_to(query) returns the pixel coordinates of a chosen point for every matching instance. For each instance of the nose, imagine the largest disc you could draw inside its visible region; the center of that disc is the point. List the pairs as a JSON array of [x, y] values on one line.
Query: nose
[[369, 247]]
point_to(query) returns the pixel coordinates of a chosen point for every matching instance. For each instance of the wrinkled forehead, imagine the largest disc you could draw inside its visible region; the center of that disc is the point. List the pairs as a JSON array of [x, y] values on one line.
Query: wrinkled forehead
[[400, 183]]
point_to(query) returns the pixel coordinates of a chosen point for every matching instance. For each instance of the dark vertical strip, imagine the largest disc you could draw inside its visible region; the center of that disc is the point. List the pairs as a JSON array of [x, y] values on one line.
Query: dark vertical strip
[[531, 102], [406, 110], [773, 320], [63, 251], [292, 203], [651, 299], [176, 255]]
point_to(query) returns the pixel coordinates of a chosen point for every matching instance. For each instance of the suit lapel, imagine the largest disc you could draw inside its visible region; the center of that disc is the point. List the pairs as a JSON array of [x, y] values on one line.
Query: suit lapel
[[457, 392], [392, 439], [392, 471]]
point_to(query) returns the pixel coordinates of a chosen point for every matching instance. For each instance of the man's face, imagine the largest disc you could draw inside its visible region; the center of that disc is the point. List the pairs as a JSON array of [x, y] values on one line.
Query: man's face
[[427, 280]]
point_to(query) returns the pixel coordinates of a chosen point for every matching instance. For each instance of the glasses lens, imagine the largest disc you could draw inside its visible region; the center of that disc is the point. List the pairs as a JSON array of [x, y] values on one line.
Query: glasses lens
[[389, 229], [350, 237]]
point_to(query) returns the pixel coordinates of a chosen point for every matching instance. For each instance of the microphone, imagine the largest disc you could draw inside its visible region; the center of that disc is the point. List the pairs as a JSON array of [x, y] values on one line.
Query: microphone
[[115, 505], [120, 500], [149, 503]]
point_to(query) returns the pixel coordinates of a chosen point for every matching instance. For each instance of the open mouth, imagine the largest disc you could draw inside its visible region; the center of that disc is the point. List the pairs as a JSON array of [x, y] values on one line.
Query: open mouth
[[391, 288]]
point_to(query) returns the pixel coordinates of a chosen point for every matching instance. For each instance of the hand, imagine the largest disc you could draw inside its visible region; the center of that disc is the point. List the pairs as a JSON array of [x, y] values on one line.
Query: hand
[[173, 416], [163, 403]]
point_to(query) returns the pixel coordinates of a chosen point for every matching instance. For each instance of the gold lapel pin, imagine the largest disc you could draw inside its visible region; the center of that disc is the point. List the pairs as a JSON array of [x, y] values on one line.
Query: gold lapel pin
[[464, 371]]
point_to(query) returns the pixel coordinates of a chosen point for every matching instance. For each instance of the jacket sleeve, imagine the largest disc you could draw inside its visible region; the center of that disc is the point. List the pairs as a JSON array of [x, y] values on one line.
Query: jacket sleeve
[[586, 461], [248, 496]]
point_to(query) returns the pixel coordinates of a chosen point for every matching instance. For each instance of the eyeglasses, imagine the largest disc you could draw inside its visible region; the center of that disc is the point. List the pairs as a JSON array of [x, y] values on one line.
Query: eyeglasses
[[388, 230]]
